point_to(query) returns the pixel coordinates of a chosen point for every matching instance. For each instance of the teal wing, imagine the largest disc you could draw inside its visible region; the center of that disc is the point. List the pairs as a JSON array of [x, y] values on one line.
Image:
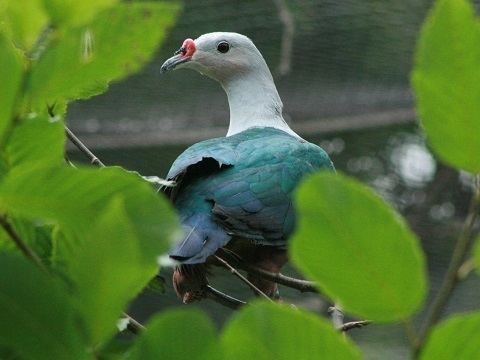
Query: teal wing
[[253, 199], [241, 186]]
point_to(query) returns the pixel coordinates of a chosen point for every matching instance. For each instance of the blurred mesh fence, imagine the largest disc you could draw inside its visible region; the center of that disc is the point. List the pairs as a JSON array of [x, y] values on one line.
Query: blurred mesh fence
[[337, 64]]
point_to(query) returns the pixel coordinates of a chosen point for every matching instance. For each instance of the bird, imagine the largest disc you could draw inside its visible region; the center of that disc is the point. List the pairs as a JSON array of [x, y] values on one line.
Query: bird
[[236, 192]]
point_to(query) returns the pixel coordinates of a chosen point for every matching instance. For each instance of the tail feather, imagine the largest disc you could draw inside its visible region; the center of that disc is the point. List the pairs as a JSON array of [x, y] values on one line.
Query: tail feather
[[203, 238]]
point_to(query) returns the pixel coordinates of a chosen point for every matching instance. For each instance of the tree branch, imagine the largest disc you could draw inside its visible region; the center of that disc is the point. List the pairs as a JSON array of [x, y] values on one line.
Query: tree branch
[[451, 279], [411, 332], [298, 284], [287, 20], [465, 269], [133, 325], [22, 245], [235, 272], [354, 325], [76, 141], [337, 316], [224, 299]]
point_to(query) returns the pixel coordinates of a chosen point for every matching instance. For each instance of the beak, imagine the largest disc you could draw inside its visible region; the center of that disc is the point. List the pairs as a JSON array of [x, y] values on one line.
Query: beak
[[180, 56], [177, 59]]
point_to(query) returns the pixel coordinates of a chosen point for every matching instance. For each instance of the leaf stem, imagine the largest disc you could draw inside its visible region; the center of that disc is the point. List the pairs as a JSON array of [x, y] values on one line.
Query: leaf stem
[[451, 279], [22, 245]]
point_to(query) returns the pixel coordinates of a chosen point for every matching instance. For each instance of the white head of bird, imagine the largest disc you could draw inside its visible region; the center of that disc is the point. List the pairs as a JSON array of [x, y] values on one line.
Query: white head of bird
[[235, 62]]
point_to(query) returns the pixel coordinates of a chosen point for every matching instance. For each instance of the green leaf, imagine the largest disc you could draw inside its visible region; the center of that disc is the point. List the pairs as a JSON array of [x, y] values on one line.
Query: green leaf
[[24, 21], [36, 235], [75, 199], [358, 250], [266, 331], [446, 79], [6, 244], [74, 12], [83, 61], [37, 142], [11, 69], [7, 354], [116, 349], [37, 316], [178, 334], [454, 339], [108, 271]]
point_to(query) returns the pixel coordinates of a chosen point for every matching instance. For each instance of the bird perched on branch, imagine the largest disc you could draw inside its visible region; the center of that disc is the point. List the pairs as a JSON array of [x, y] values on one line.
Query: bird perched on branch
[[236, 191]]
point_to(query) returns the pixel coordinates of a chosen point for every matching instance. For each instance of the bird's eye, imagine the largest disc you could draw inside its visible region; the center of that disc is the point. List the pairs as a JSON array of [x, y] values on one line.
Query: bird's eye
[[223, 47]]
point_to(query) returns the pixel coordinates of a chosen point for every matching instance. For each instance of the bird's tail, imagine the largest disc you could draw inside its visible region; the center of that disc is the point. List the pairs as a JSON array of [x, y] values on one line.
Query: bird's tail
[[202, 238]]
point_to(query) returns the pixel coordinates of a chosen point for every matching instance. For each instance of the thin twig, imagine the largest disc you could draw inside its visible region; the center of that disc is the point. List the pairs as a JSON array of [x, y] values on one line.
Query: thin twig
[[465, 269], [337, 316], [22, 245], [354, 325], [298, 284], [76, 141], [224, 299], [41, 43], [450, 279], [241, 277], [133, 325]]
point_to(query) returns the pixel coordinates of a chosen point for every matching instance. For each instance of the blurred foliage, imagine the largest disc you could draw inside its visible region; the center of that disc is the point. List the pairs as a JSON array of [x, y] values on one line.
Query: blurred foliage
[[38, 316], [10, 78], [45, 145], [80, 62], [99, 233], [268, 331], [23, 21], [180, 335], [370, 262], [68, 13], [456, 338], [447, 83]]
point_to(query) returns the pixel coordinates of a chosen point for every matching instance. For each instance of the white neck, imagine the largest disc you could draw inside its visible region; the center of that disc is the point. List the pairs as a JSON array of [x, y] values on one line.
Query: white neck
[[254, 102]]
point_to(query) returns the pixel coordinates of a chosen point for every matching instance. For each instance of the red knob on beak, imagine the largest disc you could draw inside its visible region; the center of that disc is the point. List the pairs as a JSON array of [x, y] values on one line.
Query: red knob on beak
[[189, 46]]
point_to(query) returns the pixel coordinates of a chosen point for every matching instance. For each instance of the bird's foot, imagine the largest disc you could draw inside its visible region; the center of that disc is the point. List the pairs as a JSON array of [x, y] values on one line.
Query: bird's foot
[[192, 296]]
